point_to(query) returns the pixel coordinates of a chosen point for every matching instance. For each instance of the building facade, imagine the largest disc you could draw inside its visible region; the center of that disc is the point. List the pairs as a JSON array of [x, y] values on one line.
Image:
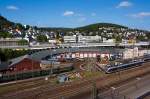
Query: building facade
[[81, 39]]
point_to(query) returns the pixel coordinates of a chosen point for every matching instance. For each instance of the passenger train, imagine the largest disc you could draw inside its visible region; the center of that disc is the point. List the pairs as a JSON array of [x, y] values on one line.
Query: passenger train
[[130, 64]]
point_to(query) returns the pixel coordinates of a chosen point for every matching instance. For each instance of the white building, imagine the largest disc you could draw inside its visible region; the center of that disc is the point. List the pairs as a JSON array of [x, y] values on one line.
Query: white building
[[52, 41], [70, 39], [132, 53], [109, 41], [85, 39], [81, 39]]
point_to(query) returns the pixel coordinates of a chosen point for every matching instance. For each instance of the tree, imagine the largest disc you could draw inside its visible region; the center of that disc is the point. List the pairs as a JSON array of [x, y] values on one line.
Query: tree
[[148, 36], [22, 42], [23, 34], [27, 27], [19, 26], [2, 55], [42, 38], [5, 35], [141, 38], [118, 39], [6, 54]]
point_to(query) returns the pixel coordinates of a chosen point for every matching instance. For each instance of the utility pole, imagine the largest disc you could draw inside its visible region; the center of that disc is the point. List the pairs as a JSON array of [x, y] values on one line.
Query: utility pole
[[148, 47], [32, 65], [51, 71], [133, 50], [89, 65], [113, 92], [94, 91]]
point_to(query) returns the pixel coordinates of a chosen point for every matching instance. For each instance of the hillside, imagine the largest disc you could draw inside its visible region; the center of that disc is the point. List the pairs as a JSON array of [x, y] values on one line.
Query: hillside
[[95, 27], [105, 30], [4, 23]]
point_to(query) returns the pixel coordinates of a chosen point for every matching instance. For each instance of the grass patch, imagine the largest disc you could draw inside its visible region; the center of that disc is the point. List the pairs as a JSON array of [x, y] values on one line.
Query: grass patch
[[89, 74]]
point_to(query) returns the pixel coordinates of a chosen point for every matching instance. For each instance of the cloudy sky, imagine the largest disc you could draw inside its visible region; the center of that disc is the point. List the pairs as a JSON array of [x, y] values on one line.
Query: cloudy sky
[[75, 13]]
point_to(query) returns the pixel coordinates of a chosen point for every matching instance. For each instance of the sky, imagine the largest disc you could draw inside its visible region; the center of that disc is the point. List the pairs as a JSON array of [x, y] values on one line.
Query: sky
[[76, 13]]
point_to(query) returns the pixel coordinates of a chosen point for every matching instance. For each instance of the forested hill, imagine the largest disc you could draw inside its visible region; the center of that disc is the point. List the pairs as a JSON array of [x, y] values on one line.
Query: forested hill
[[4, 23], [97, 26], [106, 30]]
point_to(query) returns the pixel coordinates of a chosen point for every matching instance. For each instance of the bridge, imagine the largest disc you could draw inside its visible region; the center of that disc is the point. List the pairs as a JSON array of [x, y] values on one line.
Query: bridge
[[44, 46]]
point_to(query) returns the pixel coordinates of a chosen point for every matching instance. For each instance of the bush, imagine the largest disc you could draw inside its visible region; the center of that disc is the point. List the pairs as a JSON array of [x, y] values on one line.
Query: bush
[[42, 38], [23, 42], [5, 35]]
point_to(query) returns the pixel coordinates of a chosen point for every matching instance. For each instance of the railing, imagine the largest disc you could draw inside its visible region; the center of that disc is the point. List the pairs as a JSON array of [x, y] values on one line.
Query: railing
[[32, 74]]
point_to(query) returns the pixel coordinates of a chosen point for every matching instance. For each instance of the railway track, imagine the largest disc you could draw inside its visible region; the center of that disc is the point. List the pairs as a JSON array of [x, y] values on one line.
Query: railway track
[[73, 88]]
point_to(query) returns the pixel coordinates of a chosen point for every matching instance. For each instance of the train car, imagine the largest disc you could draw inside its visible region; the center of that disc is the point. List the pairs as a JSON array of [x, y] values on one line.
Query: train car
[[112, 69], [146, 58]]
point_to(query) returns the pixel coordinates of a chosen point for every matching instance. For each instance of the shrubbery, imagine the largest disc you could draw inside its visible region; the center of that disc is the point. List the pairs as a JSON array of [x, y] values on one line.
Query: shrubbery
[[6, 54]]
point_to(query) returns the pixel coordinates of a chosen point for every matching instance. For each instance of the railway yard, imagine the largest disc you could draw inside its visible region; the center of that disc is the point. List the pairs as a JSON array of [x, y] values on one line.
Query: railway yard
[[75, 73], [74, 49], [79, 87]]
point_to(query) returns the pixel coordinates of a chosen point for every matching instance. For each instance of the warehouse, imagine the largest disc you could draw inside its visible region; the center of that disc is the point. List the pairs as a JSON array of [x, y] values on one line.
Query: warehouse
[[20, 64]]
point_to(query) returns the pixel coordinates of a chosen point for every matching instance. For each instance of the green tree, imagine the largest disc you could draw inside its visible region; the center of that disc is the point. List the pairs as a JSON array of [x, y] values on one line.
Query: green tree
[[6, 54], [19, 26], [141, 38], [27, 27], [2, 55], [23, 34], [118, 39], [148, 36], [22, 42], [42, 38], [5, 35]]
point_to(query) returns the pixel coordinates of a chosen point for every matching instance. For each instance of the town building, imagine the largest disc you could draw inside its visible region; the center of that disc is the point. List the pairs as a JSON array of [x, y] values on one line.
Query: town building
[[82, 39]]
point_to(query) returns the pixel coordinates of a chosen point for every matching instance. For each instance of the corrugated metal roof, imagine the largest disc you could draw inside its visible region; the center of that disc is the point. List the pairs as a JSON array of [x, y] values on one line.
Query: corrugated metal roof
[[18, 59]]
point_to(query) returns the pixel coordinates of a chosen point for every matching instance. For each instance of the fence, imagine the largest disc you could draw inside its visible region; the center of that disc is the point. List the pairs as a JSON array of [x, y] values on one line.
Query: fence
[[31, 74]]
